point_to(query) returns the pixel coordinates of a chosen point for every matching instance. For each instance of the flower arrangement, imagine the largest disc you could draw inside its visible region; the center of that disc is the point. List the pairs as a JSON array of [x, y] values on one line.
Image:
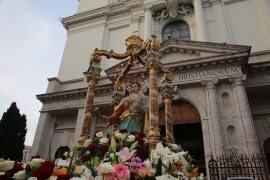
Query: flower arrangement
[[121, 157]]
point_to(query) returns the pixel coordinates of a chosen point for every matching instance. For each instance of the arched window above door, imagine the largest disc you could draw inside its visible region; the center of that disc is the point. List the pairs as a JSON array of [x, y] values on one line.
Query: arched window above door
[[176, 30]]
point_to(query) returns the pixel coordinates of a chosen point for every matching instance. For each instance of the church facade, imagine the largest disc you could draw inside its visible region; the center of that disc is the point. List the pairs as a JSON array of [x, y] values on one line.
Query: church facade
[[217, 50]]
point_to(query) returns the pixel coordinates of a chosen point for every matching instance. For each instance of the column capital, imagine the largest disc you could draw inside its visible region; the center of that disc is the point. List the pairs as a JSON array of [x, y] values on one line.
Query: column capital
[[210, 84], [153, 64], [93, 75], [237, 81], [147, 7]]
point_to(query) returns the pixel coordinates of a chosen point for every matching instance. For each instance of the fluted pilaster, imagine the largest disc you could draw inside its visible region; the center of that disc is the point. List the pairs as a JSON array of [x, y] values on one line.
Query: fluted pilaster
[[250, 137], [214, 118]]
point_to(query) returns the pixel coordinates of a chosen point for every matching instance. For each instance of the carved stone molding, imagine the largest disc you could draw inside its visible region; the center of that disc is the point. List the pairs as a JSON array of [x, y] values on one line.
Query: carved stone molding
[[173, 9], [210, 84]]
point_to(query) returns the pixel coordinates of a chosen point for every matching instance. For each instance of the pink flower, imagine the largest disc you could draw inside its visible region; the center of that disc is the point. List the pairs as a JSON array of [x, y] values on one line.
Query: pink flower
[[125, 155], [142, 172], [122, 172], [112, 176]]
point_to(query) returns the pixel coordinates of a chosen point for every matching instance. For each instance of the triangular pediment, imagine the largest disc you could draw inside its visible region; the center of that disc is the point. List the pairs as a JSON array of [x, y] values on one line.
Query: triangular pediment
[[175, 51]]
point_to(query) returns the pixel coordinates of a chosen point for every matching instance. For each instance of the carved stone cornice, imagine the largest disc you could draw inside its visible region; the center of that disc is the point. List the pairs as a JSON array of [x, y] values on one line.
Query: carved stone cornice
[[76, 93], [237, 81], [108, 10], [210, 84]]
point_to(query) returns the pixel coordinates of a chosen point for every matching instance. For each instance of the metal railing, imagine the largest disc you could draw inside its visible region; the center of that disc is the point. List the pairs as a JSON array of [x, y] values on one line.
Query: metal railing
[[235, 165]]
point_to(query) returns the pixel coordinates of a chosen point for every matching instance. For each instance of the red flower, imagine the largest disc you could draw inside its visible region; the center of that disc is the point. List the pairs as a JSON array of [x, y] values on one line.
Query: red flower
[[140, 140], [142, 135], [63, 177], [3, 177], [17, 167], [145, 151], [91, 147], [48, 164], [135, 133], [122, 130], [164, 143], [105, 147], [35, 157], [42, 173], [85, 158]]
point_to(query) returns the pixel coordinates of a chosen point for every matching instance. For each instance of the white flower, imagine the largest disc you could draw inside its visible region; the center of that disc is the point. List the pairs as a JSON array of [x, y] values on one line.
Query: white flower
[[115, 132], [99, 134], [131, 138], [87, 152], [74, 178], [20, 175], [65, 154], [87, 142], [78, 170], [53, 178], [161, 150], [36, 162], [118, 135], [145, 140], [87, 175], [106, 168], [174, 147], [62, 163], [165, 177], [148, 164], [103, 140], [6, 165], [32, 178]]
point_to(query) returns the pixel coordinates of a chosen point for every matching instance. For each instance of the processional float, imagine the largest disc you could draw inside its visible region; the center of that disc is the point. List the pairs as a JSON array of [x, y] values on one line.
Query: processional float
[[135, 49]]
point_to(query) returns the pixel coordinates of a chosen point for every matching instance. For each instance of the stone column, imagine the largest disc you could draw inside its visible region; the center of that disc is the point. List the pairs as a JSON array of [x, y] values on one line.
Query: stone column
[[214, 119], [250, 137], [79, 122], [148, 21], [92, 79], [220, 21], [42, 136], [200, 21], [167, 96], [152, 66], [206, 142]]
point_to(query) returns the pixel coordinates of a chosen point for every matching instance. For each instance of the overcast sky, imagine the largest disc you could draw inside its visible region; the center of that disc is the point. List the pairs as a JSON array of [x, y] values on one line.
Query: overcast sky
[[32, 41]]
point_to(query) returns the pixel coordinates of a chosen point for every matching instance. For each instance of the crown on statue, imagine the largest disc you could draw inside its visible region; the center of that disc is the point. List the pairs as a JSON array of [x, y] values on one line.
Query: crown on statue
[[134, 39]]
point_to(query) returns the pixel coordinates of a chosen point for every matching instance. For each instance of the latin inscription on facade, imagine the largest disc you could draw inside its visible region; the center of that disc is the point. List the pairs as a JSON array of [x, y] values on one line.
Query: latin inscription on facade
[[213, 73]]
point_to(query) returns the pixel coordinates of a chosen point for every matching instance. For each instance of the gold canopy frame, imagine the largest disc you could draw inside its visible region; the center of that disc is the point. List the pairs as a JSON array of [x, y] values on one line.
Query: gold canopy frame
[[136, 47]]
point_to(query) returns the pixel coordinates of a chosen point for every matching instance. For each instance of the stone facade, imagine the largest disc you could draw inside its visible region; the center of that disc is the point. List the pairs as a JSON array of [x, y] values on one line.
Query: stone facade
[[227, 84]]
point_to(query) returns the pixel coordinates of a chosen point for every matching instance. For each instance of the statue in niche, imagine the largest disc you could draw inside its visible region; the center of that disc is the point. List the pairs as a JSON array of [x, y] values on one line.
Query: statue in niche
[[132, 112]]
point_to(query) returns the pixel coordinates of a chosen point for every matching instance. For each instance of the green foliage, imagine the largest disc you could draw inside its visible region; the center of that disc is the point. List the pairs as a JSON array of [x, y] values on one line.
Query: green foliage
[[159, 167], [12, 133]]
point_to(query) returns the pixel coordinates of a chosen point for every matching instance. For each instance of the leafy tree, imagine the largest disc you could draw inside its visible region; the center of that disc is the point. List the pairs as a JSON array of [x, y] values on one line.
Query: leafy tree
[[12, 133]]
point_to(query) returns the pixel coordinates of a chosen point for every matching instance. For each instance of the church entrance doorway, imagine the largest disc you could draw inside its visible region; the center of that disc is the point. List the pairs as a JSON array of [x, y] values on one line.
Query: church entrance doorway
[[266, 148], [187, 131]]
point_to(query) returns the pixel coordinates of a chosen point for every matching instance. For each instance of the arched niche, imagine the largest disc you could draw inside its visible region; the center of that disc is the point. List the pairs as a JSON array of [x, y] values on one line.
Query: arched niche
[[60, 152], [182, 113], [232, 136]]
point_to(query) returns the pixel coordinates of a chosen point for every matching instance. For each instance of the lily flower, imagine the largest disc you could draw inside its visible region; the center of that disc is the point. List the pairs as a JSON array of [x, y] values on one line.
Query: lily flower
[[125, 155], [161, 150]]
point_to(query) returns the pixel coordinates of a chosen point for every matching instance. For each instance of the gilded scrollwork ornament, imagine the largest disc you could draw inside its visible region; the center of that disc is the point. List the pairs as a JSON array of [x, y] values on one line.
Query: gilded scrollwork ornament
[[154, 132]]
